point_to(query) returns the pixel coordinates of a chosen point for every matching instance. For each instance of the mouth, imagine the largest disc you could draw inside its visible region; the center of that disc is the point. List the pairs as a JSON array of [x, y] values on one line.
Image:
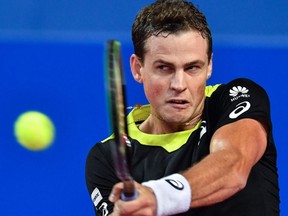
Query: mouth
[[178, 102]]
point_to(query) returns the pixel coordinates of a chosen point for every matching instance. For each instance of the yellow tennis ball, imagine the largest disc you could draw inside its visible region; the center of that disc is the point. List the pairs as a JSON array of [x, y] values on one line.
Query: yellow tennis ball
[[34, 130]]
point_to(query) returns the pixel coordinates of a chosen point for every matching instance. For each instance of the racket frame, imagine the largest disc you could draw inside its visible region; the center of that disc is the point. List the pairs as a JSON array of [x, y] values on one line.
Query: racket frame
[[116, 85]]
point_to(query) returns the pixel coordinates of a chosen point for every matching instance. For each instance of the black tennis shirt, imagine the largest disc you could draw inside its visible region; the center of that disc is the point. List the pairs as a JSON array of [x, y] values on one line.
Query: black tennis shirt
[[155, 156]]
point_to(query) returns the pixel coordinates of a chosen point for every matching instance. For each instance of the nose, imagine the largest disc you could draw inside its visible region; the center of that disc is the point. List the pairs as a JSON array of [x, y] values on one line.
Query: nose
[[178, 82]]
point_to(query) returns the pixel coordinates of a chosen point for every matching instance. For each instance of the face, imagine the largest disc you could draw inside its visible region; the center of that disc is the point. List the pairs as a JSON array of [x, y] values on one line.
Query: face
[[174, 75]]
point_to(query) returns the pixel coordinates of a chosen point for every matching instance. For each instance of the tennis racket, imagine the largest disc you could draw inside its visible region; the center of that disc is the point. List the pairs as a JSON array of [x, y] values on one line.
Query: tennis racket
[[117, 110]]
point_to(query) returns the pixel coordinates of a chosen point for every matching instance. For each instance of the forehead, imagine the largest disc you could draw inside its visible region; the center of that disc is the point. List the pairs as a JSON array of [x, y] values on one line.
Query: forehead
[[188, 43]]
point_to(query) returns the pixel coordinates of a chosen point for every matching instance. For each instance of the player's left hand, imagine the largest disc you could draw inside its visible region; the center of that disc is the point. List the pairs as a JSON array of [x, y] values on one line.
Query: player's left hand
[[145, 204]]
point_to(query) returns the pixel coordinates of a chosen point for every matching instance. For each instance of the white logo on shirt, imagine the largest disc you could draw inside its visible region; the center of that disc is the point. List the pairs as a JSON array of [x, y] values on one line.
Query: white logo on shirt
[[237, 92], [96, 196], [104, 209], [240, 109], [203, 130]]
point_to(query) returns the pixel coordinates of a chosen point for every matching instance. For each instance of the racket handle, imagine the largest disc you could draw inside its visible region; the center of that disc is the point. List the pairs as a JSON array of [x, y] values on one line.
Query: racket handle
[[129, 191], [129, 197]]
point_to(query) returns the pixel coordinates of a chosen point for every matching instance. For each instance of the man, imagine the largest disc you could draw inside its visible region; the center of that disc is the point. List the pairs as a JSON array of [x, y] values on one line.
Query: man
[[196, 149]]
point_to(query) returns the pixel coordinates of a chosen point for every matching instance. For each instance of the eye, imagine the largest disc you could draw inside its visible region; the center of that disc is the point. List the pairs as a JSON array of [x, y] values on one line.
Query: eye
[[193, 69], [163, 68]]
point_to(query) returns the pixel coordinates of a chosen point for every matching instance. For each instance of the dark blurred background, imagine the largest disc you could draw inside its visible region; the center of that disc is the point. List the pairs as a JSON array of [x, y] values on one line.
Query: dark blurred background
[[51, 60]]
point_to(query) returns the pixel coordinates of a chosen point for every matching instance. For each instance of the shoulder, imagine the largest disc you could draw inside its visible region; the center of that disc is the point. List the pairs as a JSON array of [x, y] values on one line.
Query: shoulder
[[100, 151], [241, 86], [99, 161], [238, 99]]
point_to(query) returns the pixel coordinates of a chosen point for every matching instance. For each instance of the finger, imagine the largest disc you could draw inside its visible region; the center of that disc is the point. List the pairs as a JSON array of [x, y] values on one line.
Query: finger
[[145, 204], [116, 192], [135, 207]]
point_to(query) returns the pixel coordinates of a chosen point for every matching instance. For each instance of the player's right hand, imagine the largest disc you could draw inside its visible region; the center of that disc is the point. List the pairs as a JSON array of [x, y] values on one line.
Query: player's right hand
[[145, 204]]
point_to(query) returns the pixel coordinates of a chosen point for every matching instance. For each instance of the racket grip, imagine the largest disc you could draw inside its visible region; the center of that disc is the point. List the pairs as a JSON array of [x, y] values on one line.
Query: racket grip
[[129, 197], [129, 191]]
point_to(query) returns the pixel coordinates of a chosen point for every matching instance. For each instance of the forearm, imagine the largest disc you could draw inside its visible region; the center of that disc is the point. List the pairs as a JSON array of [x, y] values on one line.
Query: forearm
[[216, 178]]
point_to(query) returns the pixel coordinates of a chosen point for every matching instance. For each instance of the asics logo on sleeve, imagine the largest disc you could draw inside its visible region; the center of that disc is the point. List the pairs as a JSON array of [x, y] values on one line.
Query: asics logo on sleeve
[[175, 183], [240, 109]]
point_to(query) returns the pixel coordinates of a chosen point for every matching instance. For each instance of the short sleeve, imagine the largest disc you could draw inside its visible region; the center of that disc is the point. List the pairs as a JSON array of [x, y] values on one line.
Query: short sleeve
[[100, 178], [241, 98]]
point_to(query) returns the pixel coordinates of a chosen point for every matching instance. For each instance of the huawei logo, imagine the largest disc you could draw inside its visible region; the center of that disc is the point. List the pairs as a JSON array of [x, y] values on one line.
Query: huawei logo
[[238, 90]]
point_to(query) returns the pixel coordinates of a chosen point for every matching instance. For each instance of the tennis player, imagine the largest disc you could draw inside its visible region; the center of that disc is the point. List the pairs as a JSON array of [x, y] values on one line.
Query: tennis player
[[196, 150]]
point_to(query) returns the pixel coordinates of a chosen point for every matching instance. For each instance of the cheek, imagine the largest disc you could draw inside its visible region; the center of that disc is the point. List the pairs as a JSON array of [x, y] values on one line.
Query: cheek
[[197, 90], [153, 89]]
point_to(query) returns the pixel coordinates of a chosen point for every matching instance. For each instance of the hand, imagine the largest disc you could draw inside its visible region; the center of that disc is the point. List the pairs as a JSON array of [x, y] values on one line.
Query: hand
[[145, 204]]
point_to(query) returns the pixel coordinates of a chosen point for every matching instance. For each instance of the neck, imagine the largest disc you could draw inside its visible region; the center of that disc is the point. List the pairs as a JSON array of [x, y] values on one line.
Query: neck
[[156, 125]]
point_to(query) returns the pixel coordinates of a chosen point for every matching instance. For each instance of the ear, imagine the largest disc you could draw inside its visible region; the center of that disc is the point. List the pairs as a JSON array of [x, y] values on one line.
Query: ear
[[210, 66], [136, 66]]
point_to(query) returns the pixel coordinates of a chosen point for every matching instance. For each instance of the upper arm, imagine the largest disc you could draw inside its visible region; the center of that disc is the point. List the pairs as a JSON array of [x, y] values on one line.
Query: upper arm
[[243, 120], [240, 123], [245, 138]]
